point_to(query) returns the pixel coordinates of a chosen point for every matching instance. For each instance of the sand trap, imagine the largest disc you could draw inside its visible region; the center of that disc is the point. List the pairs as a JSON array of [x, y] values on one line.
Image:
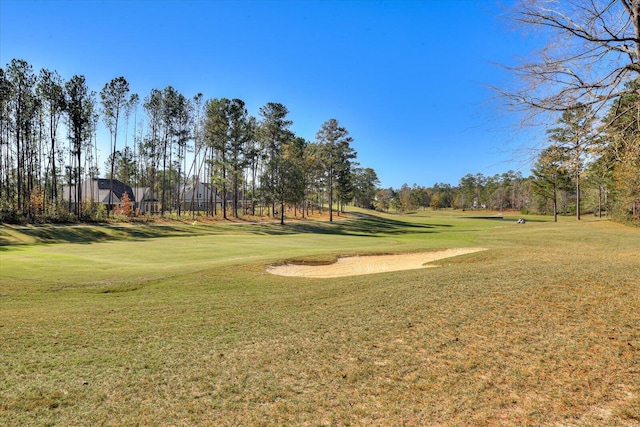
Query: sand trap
[[358, 265]]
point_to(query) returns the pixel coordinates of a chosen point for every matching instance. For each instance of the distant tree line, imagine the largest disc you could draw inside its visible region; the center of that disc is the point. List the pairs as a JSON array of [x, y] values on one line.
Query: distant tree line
[[509, 191], [48, 138], [555, 187]]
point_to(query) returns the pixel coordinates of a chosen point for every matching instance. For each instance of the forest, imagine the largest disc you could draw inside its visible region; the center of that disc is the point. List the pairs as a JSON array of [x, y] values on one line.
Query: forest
[[170, 144]]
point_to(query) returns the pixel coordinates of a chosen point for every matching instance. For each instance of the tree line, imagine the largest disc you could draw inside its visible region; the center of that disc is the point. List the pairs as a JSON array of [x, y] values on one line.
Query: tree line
[[509, 191], [586, 82], [48, 138], [591, 164], [506, 192]]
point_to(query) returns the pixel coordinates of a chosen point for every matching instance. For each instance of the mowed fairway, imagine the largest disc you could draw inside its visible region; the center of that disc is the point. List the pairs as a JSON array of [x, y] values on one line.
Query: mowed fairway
[[182, 325]]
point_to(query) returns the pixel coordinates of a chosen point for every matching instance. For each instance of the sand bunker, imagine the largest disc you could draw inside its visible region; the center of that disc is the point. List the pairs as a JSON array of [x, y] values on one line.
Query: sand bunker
[[358, 265]]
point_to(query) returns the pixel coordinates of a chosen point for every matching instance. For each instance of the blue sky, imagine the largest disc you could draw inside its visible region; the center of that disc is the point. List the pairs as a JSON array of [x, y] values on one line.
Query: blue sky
[[408, 79]]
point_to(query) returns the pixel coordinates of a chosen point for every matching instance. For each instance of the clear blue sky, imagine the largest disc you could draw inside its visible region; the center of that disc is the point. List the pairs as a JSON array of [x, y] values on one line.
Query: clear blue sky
[[406, 78]]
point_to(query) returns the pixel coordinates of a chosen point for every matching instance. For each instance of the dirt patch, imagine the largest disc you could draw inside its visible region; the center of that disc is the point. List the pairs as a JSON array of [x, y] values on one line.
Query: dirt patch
[[358, 265]]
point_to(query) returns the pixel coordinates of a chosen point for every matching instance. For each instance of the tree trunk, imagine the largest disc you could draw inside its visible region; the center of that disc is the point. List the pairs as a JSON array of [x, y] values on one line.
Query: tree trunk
[[330, 195], [599, 201], [78, 183], [578, 196], [555, 203], [282, 213]]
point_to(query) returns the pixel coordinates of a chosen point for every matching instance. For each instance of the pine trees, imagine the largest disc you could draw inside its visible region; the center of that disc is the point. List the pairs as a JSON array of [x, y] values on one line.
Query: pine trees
[[50, 89], [236, 159], [80, 110], [114, 103], [572, 137], [337, 157], [273, 132], [21, 119]]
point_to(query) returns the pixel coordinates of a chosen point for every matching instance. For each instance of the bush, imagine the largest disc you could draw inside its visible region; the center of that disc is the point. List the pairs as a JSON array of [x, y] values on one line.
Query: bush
[[9, 216], [91, 211]]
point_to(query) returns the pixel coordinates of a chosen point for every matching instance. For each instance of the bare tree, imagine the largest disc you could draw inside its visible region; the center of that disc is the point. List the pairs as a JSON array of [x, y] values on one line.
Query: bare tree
[[591, 60], [593, 49]]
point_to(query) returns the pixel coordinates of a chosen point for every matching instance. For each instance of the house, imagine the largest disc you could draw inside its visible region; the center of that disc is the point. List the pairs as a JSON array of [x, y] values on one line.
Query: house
[[145, 201], [202, 196], [101, 190]]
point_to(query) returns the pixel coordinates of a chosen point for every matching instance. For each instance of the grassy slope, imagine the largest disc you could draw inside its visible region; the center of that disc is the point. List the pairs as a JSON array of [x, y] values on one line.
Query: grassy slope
[[178, 325]]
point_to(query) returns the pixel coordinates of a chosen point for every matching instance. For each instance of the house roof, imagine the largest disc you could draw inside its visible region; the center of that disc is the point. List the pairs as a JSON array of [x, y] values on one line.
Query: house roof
[[119, 188]]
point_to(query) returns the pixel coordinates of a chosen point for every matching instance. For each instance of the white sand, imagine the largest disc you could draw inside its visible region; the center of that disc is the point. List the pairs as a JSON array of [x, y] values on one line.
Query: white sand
[[358, 265]]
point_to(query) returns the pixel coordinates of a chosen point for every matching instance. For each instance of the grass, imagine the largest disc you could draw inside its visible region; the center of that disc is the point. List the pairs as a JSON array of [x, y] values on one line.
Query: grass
[[180, 325]]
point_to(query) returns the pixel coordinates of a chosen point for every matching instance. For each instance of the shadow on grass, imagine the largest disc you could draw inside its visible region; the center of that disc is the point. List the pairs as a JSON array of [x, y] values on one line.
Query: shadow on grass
[[86, 234], [363, 225]]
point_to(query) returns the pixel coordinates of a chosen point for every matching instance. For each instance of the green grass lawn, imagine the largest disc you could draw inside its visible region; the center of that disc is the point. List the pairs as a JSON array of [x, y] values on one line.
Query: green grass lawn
[[181, 325]]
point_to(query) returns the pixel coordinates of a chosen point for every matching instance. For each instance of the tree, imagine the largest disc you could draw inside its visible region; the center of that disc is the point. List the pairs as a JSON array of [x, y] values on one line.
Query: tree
[[383, 199], [5, 140], [132, 107], [22, 104], [467, 191], [114, 104], [591, 59], [314, 175], [169, 106], [125, 166], [600, 177], [216, 134], [295, 152], [80, 104], [181, 133], [593, 50], [124, 207], [241, 131], [253, 157], [441, 196], [273, 132], [50, 90], [265, 156], [228, 130], [152, 144], [404, 201], [288, 186], [345, 180], [618, 154], [337, 153], [199, 148], [550, 175], [573, 136], [366, 183]]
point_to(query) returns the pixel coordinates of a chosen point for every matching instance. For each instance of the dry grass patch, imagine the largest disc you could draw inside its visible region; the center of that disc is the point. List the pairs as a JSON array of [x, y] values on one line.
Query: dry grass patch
[[542, 329]]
